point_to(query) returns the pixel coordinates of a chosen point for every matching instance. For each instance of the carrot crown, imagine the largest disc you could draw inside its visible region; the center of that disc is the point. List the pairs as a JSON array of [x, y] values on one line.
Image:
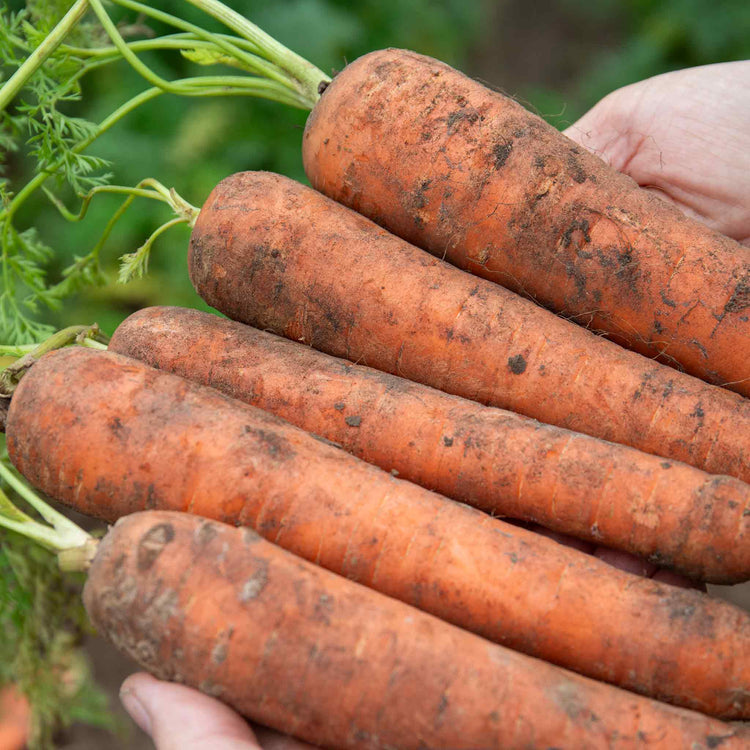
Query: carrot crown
[[74, 546]]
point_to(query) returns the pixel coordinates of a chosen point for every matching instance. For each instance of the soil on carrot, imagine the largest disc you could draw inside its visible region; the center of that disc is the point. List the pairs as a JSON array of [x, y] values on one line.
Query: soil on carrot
[[110, 668]]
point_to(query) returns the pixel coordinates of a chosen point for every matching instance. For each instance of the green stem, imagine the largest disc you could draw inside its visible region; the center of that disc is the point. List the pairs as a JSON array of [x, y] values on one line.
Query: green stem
[[229, 44], [308, 77], [104, 126], [232, 45], [148, 188], [195, 86], [94, 344], [11, 375], [135, 265], [32, 63], [15, 351], [75, 548], [279, 75], [62, 532], [40, 533], [243, 86], [9, 511], [78, 559], [186, 213], [131, 57], [21, 349], [288, 91], [86, 201]]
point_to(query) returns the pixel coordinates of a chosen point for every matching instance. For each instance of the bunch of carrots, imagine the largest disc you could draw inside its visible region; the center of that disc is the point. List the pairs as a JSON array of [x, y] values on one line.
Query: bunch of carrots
[[368, 415]]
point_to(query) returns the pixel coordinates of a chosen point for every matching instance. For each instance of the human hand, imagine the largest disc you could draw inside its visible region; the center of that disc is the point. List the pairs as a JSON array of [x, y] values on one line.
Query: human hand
[[685, 135], [618, 559], [180, 718]]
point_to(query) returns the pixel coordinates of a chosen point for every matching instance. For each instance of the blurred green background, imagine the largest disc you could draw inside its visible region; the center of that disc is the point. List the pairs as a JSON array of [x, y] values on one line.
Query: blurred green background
[[556, 56]]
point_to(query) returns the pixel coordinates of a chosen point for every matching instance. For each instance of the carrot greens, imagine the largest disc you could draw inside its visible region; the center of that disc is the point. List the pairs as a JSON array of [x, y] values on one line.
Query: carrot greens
[[40, 613], [50, 47], [41, 617]]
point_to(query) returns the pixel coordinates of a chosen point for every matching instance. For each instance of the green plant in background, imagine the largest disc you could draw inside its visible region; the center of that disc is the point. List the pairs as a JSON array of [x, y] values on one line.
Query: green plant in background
[[52, 76], [664, 35], [41, 617], [42, 623], [628, 41]]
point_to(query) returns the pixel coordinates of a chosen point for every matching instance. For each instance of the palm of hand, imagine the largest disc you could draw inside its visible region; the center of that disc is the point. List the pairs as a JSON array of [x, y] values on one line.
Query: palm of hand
[[686, 135]]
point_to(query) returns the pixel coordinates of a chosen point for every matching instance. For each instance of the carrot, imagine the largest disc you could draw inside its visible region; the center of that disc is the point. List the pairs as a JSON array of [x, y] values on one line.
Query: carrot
[[276, 255], [110, 436], [473, 177], [495, 460], [306, 652], [15, 718]]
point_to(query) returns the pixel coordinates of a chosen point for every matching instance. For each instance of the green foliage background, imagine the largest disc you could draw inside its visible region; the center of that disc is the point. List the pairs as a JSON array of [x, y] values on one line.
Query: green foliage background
[[618, 42]]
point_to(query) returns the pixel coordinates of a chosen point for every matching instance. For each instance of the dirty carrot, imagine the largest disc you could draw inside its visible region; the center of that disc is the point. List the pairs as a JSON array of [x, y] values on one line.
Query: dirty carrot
[[473, 177], [309, 653], [272, 253], [15, 719], [109, 435], [503, 463]]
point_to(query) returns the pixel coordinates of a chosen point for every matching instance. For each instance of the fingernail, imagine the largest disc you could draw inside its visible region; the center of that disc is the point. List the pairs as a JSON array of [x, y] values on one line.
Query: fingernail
[[136, 709]]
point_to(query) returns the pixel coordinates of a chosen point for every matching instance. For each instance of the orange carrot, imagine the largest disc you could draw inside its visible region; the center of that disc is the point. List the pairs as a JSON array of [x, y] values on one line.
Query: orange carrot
[[15, 719], [473, 177], [311, 654], [279, 256], [495, 460], [110, 435]]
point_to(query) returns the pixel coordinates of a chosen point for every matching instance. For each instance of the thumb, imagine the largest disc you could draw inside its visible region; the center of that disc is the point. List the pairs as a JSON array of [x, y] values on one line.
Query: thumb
[[609, 131], [180, 718]]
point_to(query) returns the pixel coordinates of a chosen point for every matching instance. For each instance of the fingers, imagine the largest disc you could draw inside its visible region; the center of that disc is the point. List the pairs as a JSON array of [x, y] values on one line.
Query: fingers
[[683, 135], [179, 718], [616, 558], [569, 541], [625, 561], [640, 567], [272, 740], [609, 131], [675, 579]]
